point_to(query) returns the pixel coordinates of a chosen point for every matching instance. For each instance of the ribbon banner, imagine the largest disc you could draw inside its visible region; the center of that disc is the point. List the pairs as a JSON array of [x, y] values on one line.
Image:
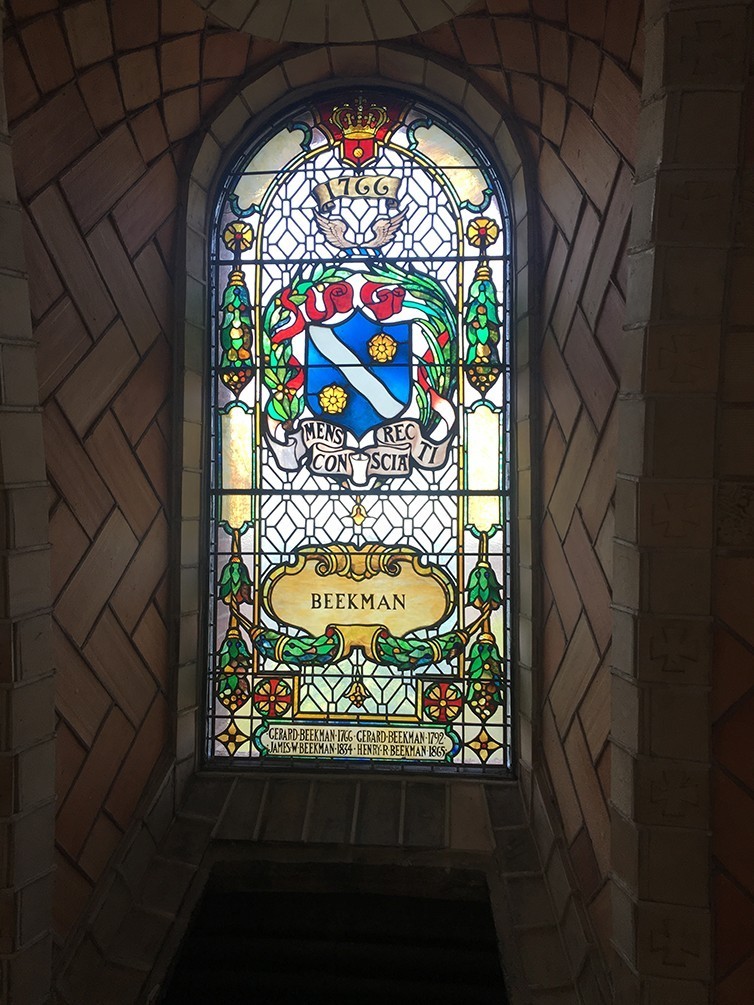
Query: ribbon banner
[[356, 187], [322, 446]]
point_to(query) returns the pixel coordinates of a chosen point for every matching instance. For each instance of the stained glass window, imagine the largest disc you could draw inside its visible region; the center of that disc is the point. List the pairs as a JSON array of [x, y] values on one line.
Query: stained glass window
[[360, 388]]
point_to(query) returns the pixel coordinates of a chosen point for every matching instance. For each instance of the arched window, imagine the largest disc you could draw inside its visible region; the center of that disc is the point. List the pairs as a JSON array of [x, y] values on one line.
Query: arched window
[[360, 477]]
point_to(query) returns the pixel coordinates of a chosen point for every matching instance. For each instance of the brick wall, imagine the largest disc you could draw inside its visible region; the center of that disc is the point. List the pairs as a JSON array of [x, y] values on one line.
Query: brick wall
[[27, 744], [104, 99], [732, 697], [682, 652], [570, 72]]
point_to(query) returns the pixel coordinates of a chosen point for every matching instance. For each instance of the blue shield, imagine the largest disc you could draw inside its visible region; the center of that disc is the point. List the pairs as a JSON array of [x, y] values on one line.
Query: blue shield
[[358, 373]]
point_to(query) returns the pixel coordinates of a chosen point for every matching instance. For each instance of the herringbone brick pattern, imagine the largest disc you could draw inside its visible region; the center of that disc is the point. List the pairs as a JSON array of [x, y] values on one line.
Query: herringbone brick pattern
[[104, 99], [586, 178], [570, 71]]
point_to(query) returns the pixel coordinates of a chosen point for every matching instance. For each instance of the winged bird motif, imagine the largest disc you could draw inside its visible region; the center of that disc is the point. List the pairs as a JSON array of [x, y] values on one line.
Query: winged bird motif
[[385, 228]]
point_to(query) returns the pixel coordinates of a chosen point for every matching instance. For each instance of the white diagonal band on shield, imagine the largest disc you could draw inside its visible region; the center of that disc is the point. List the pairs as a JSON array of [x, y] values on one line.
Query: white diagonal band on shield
[[354, 371]]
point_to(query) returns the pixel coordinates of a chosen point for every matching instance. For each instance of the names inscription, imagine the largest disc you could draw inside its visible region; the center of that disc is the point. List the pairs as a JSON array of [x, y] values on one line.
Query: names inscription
[[380, 743]]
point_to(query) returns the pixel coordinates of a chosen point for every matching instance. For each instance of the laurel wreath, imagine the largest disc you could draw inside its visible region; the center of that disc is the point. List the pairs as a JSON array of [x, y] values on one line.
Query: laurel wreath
[[283, 373]]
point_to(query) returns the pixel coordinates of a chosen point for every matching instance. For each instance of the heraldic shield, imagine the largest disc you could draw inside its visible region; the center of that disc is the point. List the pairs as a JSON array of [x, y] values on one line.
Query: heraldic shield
[[358, 373]]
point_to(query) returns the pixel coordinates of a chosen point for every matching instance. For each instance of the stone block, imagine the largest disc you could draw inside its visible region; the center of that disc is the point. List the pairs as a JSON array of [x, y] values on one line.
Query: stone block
[[586, 61], [678, 581], [88, 29], [32, 708], [682, 357], [34, 917], [559, 191], [673, 650], [716, 116], [141, 212], [616, 108], [624, 924], [138, 940], [28, 974], [103, 841], [285, 810], [641, 280], [93, 782], [165, 885], [735, 514], [139, 78], [137, 860], [261, 93], [576, 671], [469, 819], [673, 941], [187, 840], [671, 793], [625, 838], [544, 960], [682, 438], [516, 850], [694, 206], [675, 866], [36, 774], [679, 720], [589, 157], [424, 815], [379, 813], [622, 780], [735, 453], [330, 818], [705, 48], [206, 797], [530, 903], [627, 722], [676, 514]]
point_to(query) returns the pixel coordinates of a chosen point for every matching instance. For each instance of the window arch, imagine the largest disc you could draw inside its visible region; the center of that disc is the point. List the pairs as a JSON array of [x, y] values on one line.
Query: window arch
[[360, 575]]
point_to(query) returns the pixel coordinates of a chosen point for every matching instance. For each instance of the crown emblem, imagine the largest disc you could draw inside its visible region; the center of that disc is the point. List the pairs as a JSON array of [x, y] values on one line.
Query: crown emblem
[[359, 121], [360, 126]]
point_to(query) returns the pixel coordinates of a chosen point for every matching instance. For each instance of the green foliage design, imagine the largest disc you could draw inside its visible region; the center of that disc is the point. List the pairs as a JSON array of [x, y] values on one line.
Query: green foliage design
[[234, 663], [438, 325], [236, 367], [483, 588], [485, 666], [283, 374], [235, 583], [302, 650], [482, 323], [413, 654]]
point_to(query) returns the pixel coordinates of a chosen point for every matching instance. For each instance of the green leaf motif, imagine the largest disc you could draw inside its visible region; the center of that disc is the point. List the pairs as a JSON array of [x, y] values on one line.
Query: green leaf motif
[[235, 328], [410, 653], [483, 588], [303, 650], [235, 583], [485, 662], [486, 687], [234, 655]]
